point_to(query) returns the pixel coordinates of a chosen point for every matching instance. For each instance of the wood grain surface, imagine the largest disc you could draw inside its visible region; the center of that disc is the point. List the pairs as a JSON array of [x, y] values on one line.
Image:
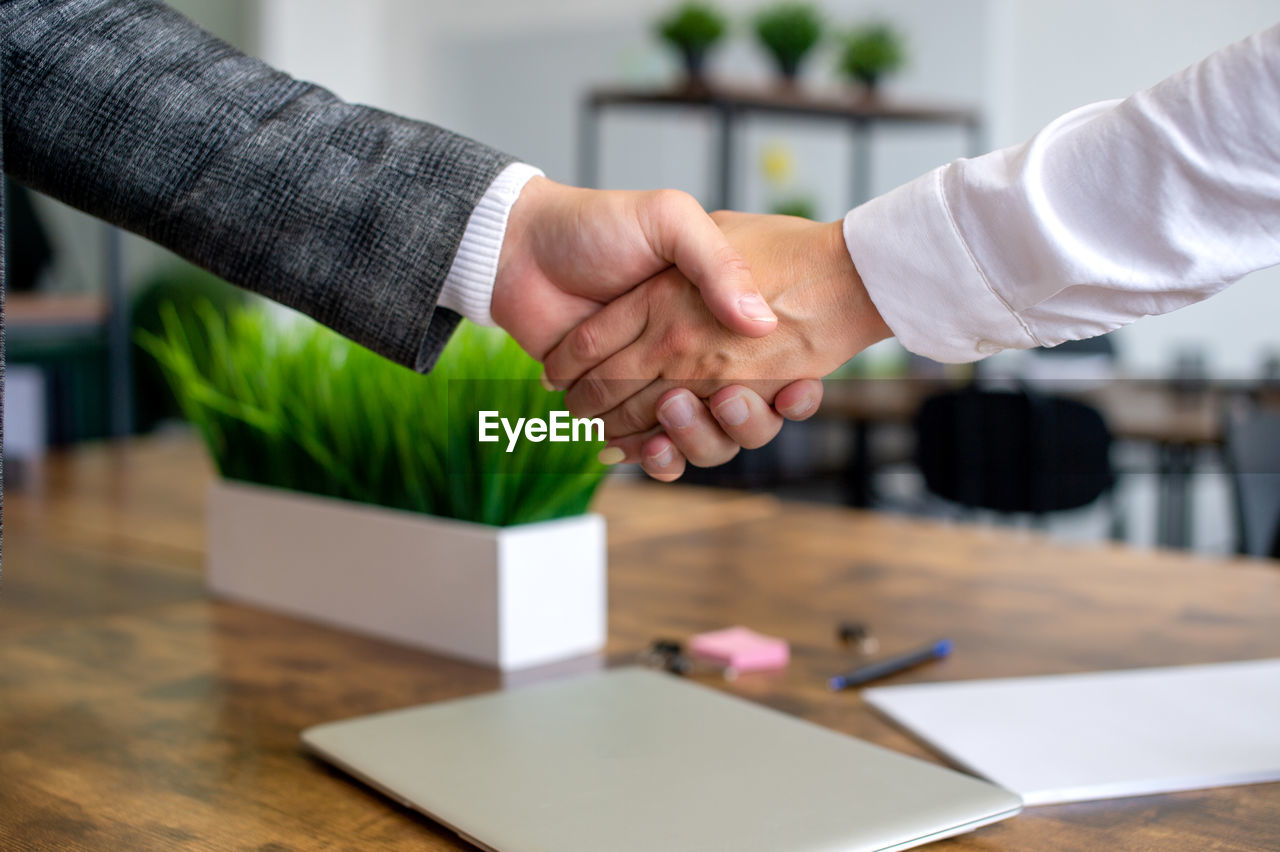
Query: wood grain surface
[[138, 714]]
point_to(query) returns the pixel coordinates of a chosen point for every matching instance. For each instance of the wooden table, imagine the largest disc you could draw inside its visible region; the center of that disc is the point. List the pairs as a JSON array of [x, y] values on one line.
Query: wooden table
[[138, 714]]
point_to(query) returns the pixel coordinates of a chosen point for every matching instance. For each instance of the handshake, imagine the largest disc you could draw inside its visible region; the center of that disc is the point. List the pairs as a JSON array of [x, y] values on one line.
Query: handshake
[[691, 335]]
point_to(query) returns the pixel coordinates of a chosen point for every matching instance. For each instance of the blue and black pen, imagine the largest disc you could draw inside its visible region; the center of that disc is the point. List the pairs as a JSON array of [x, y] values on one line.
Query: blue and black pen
[[891, 665]]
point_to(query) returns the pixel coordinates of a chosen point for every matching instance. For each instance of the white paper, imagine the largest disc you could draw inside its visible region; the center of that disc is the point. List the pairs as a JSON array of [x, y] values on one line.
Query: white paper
[[1065, 738]]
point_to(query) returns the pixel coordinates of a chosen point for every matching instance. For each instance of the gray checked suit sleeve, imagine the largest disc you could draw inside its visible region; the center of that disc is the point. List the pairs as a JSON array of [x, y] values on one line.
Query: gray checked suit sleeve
[[129, 111]]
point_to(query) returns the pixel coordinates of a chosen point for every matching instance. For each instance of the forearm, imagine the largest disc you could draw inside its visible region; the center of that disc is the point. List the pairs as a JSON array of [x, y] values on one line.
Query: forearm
[[1113, 212], [349, 214]]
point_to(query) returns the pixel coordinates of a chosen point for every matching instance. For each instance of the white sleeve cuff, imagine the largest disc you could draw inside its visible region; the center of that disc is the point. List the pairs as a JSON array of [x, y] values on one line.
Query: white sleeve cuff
[[923, 279], [468, 288]]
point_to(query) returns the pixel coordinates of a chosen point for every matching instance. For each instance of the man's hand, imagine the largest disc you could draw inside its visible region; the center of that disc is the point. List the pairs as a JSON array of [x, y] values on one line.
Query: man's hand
[[569, 251], [626, 362], [706, 434]]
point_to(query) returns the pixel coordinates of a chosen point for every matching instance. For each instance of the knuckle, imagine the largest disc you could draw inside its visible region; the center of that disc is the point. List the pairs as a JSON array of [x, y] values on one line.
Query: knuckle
[[673, 200], [634, 418], [677, 344], [587, 396], [584, 345], [712, 364], [732, 263], [675, 208]]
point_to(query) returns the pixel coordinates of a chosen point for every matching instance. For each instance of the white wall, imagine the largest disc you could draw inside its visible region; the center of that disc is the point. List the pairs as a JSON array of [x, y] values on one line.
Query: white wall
[[383, 53], [1065, 53]]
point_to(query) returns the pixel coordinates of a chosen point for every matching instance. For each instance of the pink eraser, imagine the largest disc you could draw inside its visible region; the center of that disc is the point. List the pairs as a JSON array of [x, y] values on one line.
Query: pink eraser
[[741, 649]]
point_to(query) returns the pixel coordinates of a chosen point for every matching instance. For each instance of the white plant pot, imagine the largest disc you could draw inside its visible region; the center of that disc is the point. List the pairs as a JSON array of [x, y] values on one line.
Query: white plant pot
[[508, 597]]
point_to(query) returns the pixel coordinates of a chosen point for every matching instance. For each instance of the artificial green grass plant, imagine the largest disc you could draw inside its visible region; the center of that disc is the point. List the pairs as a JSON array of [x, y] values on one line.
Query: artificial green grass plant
[[293, 405]]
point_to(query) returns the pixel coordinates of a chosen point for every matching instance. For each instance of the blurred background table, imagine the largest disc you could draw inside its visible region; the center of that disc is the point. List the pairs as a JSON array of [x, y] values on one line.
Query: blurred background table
[[137, 713], [1176, 422]]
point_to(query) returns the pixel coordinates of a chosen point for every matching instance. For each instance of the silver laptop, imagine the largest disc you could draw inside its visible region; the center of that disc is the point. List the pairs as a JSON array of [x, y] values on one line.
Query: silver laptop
[[631, 760]]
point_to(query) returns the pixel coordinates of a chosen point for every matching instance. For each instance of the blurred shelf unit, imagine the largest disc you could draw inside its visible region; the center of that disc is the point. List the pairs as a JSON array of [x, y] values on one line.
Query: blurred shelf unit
[[727, 104], [80, 344], [40, 313]]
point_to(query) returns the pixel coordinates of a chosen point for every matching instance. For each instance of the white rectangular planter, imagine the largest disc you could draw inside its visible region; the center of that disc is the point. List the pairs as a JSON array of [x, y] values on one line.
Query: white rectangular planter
[[508, 597]]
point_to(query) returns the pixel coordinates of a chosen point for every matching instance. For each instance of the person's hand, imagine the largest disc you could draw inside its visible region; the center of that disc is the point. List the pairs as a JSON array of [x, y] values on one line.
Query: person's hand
[[569, 251], [733, 418], [625, 360]]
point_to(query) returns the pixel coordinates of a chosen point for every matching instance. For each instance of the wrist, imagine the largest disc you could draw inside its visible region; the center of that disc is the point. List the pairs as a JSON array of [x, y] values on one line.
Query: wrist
[[516, 257], [469, 284], [866, 325]]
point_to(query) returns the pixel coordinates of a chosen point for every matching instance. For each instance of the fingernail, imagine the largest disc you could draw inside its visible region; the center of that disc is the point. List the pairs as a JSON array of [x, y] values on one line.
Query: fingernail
[[733, 411], [755, 308], [546, 383], [800, 409], [663, 457], [611, 455], [676, 413]]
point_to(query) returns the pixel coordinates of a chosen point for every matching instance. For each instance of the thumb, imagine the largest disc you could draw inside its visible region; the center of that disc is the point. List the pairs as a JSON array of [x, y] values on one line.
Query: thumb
[[680, 232]]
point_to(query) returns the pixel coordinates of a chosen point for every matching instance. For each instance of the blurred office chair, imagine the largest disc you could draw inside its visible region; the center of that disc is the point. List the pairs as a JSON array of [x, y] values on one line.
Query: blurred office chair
[[1253, 459], [1014, 451]]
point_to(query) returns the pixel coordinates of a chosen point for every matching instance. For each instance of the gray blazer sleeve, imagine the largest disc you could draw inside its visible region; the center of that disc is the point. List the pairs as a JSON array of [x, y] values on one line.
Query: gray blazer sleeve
[[127, 110]]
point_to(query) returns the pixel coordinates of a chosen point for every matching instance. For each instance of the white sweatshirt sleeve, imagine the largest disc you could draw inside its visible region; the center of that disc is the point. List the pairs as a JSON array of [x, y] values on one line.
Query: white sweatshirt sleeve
[[468, 287], [1115, 211]]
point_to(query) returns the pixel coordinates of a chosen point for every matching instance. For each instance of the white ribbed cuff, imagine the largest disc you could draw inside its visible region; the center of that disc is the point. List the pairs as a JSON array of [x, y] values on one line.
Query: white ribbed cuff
[[923, 279], [468, 288]]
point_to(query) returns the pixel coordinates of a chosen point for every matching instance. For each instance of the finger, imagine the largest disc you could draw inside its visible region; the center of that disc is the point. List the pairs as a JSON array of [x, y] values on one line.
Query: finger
[[637, 412], [680, 231], [612, 392], [690, 426], [594, 340], [661, 459], [627, 449], [657, 454], [744, 417], [799, 400], [622, 377]]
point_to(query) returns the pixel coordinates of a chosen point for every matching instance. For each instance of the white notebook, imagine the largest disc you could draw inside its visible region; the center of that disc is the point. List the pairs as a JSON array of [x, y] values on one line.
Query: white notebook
[[1066, 738]]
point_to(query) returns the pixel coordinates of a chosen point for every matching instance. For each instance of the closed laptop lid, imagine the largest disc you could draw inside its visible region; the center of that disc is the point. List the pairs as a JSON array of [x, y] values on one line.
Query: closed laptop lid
[[631, 760]]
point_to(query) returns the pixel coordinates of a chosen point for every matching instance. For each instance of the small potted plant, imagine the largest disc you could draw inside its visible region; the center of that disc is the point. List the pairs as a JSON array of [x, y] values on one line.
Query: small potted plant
[[355, 492], [692, 29], [789, 31], [870, 52]]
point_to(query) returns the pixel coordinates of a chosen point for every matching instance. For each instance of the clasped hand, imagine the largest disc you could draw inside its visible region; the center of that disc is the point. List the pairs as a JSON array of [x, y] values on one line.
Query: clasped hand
[[692, 363]]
